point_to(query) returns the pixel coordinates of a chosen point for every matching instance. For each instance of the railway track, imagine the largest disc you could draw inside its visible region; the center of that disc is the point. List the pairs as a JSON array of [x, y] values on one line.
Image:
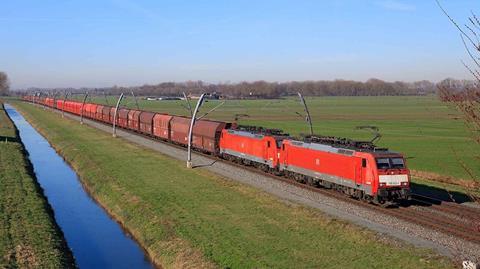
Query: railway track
[[469, 230], [407, 213], [447, 207]]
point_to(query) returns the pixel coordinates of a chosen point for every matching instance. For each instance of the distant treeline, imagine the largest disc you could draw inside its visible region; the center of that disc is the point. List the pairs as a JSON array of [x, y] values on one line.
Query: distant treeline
[[264, 89]]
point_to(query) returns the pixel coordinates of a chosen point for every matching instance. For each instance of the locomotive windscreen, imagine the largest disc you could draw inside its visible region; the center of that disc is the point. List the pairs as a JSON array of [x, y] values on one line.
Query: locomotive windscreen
[[390, 163], [397, 162]]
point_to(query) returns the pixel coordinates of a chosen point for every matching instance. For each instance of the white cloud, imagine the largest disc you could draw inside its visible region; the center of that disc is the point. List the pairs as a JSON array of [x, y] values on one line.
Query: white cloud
[[395, 5]]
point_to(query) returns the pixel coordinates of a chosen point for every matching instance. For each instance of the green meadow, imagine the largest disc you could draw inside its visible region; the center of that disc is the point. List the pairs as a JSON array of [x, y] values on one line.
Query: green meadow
[[193, 218], [431, 134]]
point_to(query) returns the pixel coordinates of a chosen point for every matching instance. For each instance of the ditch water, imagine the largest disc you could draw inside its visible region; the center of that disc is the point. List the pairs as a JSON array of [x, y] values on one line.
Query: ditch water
[[96, 240]]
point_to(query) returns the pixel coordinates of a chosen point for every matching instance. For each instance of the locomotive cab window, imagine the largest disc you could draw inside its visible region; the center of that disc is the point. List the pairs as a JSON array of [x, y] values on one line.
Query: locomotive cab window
[[383, 163], [268, 143], [364, 162], [390, 163], [397, 163]]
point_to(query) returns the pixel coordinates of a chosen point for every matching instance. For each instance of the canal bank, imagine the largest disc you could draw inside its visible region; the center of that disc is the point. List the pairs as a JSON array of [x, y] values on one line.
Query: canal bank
[[29, 235], [95, 239]]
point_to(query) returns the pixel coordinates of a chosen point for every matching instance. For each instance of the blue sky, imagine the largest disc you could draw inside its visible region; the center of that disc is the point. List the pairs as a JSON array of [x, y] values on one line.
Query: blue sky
[[97, 43]]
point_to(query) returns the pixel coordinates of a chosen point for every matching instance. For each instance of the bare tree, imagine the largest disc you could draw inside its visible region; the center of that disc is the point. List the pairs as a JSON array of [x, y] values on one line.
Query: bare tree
[[466, 100], [4, 84]]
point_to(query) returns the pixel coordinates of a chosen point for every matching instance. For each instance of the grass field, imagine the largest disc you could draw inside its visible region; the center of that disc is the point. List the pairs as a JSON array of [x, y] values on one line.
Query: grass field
[[29, 237], [431, 134], [193, 218]]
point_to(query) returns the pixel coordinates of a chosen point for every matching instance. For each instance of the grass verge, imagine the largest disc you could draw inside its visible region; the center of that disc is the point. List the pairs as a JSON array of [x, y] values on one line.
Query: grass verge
[[193, 218], [29, 236]]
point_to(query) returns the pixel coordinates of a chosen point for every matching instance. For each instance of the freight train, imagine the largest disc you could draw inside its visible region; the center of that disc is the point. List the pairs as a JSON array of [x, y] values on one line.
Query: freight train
[[356, 168]]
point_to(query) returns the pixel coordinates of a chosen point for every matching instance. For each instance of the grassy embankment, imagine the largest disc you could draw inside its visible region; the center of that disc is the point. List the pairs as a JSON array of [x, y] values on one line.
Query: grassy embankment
[[193, 218], [29, 236], [431, 134]]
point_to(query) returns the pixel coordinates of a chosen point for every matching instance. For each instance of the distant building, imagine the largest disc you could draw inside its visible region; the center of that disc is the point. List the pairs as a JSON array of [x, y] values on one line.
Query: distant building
[[166, 98], [195, 96], [162, 98]]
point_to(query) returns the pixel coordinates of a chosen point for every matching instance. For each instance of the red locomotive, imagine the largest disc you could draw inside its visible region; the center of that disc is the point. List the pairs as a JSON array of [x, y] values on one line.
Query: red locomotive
[[359, 169]]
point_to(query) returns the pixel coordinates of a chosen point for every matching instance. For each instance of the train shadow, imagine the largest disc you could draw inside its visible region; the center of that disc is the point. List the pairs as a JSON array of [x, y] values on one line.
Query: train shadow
[[438, 194], [204, 165]]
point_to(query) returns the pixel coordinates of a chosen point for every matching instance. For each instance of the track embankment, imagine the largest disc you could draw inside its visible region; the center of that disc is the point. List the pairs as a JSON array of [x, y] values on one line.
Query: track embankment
[[29, 235], [178, 213]]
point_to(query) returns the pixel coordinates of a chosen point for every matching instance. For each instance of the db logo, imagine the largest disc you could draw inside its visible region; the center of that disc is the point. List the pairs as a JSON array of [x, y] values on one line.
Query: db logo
[[469, 265]]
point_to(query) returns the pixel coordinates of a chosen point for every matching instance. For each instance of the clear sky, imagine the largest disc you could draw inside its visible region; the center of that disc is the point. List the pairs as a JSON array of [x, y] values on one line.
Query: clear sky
[[97, 43]]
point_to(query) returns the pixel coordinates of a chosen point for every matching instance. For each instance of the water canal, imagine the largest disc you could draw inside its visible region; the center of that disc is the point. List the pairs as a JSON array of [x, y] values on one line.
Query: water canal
[[96, 240]]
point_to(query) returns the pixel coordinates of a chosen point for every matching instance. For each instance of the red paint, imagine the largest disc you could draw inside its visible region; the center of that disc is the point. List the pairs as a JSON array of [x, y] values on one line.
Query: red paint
[[161, 126], [263, 146]]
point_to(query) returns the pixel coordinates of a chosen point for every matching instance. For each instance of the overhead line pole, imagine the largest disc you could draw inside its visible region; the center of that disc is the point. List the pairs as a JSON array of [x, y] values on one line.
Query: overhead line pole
[[55, 98], [190, 131], [136, 102], [45, 107], [114, 134], [211, 110], [309, 119], [83, 106], [188, 103], [63, 107], [106, 99]]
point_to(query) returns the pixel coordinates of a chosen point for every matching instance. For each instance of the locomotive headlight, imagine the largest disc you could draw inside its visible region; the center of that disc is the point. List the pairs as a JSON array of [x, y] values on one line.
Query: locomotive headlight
[[383, 184], [405, 183]]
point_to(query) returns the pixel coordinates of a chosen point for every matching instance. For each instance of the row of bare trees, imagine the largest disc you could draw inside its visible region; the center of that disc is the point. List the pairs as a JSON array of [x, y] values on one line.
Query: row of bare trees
[[264, 89]]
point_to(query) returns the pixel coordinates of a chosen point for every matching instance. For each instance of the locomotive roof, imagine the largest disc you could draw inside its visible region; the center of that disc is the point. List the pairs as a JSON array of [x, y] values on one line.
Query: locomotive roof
[[258, 130], [345, 144], [338, 144]]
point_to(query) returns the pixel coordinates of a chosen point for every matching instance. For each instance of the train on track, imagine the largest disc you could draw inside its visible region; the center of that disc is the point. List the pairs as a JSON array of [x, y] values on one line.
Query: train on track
[[356, 168]]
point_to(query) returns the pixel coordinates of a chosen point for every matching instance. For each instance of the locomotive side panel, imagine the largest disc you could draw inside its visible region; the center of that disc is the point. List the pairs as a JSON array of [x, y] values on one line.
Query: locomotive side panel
[[256, 148], [338, 166]]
